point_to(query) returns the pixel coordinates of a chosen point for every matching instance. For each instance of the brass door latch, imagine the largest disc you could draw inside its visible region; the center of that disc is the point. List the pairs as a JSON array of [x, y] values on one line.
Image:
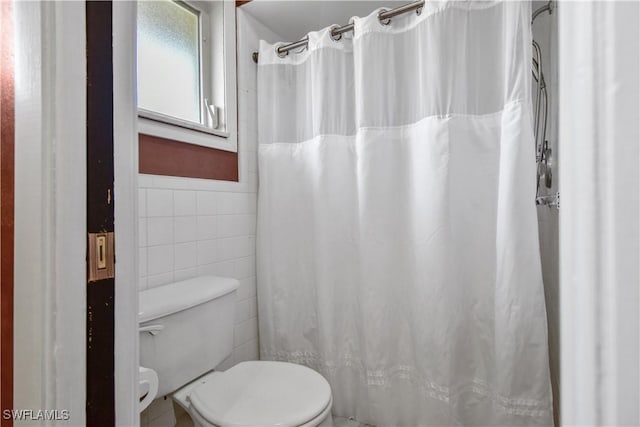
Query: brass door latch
[[101, 262]]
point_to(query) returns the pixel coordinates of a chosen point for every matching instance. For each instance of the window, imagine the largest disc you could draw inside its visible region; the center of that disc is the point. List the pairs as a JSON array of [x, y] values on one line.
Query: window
[[183, 80], [169, 60]]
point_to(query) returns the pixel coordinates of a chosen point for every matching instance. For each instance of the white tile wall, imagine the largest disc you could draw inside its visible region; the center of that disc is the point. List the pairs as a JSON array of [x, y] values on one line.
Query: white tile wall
[[191, 227]]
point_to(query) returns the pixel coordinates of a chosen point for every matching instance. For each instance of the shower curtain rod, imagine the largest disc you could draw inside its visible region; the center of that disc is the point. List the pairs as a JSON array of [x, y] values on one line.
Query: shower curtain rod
[[385, 19], [337, 32]]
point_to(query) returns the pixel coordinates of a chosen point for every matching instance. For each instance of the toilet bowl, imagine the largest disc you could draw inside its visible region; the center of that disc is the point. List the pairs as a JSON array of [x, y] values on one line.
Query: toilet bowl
[[259, 393], [147, 387], [186, 330]]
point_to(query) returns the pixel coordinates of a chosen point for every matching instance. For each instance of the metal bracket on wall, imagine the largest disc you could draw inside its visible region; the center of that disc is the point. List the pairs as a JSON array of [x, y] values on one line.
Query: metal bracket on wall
[[552, 200]]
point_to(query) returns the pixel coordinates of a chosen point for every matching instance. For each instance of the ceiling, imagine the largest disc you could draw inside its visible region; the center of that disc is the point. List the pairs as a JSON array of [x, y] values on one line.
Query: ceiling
[[294, 18]]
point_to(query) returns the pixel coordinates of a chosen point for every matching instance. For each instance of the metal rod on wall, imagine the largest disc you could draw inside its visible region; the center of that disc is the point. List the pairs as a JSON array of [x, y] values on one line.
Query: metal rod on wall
[[386, 15], [337, 32]]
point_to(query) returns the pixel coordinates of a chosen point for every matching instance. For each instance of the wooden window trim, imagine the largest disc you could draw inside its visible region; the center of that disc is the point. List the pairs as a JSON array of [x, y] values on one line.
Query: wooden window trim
[[161, 156]]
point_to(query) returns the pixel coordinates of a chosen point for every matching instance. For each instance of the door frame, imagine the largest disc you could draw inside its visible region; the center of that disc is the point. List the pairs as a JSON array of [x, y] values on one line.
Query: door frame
[[125, 116], [49, 296], [121, 319], [50, 209]]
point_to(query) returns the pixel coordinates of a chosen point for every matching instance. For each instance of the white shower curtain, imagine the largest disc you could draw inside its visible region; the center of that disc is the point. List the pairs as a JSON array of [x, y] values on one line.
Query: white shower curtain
[[397, 231]]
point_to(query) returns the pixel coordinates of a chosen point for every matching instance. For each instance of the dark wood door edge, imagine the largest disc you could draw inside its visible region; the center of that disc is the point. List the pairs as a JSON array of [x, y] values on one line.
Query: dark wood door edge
[[100, 407]]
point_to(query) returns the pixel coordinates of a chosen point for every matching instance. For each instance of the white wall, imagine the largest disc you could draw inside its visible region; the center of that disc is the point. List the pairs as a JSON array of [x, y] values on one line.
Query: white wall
[[545, 32], [599, 46], [190, 227], [292, 20]]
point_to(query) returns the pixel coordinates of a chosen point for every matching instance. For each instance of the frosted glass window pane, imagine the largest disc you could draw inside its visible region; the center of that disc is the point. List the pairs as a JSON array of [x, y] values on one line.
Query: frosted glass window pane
[[168, 60]]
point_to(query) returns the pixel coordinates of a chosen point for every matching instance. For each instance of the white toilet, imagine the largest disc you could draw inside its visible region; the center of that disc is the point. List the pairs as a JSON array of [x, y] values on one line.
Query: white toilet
[[187, 330]]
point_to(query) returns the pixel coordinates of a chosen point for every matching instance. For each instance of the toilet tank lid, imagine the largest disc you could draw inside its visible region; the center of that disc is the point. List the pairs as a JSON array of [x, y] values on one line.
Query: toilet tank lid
[[174, 297]]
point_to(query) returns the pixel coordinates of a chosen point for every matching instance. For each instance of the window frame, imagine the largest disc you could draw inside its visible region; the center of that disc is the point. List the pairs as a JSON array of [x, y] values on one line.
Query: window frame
[[215, 42]]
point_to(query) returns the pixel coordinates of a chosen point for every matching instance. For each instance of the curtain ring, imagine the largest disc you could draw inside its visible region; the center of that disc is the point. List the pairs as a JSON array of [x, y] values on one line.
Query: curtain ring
[[335, 37], [281, 54], [381, 21], [419, 11]]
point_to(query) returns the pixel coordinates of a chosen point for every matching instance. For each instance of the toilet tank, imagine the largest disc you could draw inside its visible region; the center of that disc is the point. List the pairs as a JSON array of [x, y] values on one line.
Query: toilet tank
[[186, 328]]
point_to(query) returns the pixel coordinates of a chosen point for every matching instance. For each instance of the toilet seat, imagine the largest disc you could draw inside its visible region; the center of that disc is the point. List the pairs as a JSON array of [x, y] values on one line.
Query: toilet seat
[[263, 393], [322, 420]]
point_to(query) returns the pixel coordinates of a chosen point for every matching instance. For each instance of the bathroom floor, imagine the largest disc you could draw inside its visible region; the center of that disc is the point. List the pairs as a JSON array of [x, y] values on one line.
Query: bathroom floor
[[183, 420], [346, 422]]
